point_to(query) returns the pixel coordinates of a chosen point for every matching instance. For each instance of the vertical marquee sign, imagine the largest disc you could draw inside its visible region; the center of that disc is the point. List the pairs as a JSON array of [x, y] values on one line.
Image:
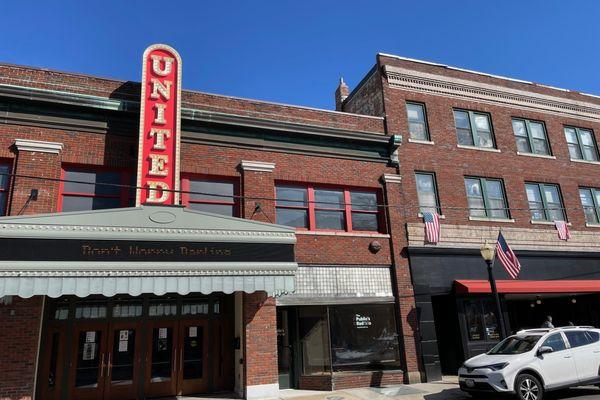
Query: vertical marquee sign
[[160, 124]]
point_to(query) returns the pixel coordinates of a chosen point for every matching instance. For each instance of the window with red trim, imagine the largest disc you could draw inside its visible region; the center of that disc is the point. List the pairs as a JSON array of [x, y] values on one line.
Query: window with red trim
[[82, 189], [331, 209], [217, 196], [5, 170]]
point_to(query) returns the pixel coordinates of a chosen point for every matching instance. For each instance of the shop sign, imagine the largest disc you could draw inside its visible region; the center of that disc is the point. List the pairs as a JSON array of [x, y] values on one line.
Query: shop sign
[[362, 321], [160, 127]]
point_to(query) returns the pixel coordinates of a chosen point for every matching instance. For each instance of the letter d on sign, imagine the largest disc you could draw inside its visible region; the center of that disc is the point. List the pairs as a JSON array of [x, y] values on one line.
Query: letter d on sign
[[160, 127]]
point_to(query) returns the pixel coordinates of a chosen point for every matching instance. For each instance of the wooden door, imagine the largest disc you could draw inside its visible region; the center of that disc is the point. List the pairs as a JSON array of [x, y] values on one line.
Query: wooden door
[[193, 357], [161, 358], [88, 361], [222, 354], [123, 361], [51, 364]]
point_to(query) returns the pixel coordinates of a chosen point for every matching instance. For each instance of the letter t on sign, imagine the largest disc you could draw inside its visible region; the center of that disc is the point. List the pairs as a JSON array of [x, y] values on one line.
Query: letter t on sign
[[160, 127]]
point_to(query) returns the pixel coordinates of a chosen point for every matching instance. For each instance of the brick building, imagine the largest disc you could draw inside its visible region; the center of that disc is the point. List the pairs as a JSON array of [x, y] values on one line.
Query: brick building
[[297, 257]]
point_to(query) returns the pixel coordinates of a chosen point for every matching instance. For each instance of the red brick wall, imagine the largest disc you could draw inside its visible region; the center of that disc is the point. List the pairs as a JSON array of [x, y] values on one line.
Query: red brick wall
[[19, 334], [451, 163], [260, 355], [350, 380]]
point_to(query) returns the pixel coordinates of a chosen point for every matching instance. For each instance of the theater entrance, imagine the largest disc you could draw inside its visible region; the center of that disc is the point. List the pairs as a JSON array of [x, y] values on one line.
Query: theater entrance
[[132, 348]]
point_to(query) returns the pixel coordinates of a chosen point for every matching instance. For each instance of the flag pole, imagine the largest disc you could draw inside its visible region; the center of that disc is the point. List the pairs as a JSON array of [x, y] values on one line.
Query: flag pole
[[499, 314]]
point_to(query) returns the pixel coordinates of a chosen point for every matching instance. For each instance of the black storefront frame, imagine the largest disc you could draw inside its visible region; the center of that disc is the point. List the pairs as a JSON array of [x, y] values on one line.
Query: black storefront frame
[[297, 368], [73, 301], [434, 270]]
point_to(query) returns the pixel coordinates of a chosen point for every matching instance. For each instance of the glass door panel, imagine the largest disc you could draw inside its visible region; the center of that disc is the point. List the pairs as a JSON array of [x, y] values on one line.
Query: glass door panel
[[123, 361], [88, 361], [89, 366], [161, 361], [193, 350], [52, 366]]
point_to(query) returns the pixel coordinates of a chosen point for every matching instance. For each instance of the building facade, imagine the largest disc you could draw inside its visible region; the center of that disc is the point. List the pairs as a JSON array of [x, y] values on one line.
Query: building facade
[[490, 153], [296, 254]]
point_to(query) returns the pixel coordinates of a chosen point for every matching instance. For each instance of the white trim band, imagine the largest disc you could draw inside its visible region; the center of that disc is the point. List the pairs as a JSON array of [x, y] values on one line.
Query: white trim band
[[259, 166], [38, 146], [263, 392], [391, 178]]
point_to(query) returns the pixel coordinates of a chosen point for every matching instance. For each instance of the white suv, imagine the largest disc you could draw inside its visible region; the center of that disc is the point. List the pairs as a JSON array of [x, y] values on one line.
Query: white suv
[[534, 361]]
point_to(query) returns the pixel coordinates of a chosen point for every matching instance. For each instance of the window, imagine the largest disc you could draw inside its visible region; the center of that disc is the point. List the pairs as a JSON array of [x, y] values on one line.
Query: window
[[314, 340], [481, 321], [427, 192], [5, 170], [531, 137], [577, 338], [582, 145], [486, 198], [417, 121], [212, 196], [590, 200], [555, 341], [327, 209], [545, 202], [292, 206], [363, 337], [592, 336], [85, 189], [473, 129]]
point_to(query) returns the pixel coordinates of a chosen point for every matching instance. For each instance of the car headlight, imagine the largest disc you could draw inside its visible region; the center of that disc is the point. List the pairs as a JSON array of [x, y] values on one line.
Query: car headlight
[[496, 367]]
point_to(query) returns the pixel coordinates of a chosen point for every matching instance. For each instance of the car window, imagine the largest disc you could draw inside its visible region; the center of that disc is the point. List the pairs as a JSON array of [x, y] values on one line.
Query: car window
[[593, 337], [515, 345], [556, 342], [577, 338]]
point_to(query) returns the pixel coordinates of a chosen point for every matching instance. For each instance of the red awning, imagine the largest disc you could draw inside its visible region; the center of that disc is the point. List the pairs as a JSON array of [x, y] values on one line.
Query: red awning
[[566, 286]]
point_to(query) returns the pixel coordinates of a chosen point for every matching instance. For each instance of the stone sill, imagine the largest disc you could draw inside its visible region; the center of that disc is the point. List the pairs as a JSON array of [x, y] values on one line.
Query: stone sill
[[545, 223], [350, 234], [420, 215], [536, 155], [420, 141], [585, 161], [486, 219], [589, 225], [492, 150]]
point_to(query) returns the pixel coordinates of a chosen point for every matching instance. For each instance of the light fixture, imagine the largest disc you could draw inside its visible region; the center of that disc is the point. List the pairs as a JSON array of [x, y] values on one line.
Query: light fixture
[[487, 251], [573, 300], [538, 300], [532, 305]]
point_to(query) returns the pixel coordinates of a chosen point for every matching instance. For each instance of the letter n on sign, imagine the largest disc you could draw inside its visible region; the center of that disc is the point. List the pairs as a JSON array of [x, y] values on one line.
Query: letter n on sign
[[160, 126]]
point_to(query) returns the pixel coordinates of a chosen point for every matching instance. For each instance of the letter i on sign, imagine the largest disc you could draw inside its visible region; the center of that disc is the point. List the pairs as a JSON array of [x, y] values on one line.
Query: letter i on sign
[[160, 127]]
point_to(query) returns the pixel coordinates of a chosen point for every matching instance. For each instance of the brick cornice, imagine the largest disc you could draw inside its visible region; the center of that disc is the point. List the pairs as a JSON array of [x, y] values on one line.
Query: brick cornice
[[38, 146], [441, 85]]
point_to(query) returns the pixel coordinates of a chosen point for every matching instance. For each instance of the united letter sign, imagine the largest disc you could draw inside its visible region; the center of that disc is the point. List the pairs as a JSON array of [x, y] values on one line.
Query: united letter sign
[[160, 122]]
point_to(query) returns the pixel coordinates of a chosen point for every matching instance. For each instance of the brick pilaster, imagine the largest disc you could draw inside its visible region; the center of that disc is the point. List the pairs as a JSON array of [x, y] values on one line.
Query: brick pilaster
[[405, 301]]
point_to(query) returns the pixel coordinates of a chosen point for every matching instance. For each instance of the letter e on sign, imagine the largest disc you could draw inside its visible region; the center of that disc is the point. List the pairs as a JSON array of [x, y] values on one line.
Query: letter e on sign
[[160, 127]]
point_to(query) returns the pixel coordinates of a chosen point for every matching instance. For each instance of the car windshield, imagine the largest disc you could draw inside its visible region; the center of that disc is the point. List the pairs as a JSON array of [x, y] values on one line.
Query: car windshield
[[515, 345]]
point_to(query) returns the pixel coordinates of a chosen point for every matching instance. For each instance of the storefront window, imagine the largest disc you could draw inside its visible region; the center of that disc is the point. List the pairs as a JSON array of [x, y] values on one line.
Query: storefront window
[[481, 320], [473, 317], [363, 337], [314, 340]]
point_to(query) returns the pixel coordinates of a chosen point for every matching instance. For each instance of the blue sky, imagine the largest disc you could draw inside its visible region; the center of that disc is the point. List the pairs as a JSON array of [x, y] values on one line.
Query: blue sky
[[295, 51]]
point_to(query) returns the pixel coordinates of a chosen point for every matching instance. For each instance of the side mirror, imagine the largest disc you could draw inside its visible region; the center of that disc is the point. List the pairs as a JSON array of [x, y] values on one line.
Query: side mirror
[[544, 350]]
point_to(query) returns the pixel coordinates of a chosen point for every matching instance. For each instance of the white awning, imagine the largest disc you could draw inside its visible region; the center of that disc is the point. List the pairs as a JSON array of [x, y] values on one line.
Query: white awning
[[159, 285], [146, 249]]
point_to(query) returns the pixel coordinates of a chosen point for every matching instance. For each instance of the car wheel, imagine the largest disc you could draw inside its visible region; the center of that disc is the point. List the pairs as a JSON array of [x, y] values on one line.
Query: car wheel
[[528, 387]]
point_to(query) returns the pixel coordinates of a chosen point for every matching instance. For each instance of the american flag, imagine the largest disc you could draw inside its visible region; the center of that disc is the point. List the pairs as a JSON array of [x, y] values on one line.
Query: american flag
[[563, 230], [507, 257], [432, 226]]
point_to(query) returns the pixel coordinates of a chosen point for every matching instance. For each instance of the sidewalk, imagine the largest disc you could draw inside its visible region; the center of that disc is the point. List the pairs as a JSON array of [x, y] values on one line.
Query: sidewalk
[[447, 389]]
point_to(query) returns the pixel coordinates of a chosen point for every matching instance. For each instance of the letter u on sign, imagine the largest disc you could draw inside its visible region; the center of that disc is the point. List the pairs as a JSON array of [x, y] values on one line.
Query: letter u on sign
[[160, 127]]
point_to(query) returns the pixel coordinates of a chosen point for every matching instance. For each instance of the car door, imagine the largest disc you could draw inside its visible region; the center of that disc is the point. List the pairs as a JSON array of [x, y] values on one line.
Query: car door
[[585, 351], [557, 367]]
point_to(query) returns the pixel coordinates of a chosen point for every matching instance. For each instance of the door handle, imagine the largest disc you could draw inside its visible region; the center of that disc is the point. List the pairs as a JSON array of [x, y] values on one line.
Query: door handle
[[101, 365], [108, 364]]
